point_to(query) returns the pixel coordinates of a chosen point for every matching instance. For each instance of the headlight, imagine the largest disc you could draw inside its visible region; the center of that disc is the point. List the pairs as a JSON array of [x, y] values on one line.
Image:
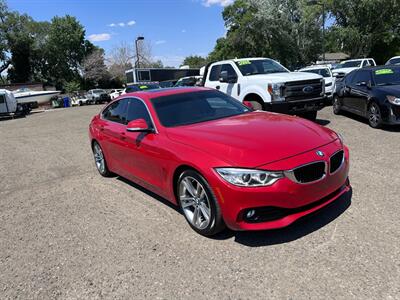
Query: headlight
[[275, 90], [394, 100], [322, 87], [249, 178]]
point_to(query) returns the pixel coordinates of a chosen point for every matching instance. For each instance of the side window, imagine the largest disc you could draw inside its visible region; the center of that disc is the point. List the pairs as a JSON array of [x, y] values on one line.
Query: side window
[[349, 77], [229, 69], [116, 112], [215, 72], [365, 63], [371, 62], [137, 110], [2, 99], [362, 76]]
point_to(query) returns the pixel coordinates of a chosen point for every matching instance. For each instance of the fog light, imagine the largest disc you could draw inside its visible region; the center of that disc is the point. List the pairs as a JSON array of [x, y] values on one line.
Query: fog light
[[250, 214]]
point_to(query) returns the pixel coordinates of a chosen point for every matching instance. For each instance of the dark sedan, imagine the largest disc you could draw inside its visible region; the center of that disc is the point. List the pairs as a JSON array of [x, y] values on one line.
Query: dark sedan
[[373, 93]]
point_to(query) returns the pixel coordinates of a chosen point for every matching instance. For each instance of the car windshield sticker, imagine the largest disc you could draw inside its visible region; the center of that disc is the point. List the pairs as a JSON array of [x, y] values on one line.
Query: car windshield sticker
[[244, 62], [143, 87], [384, 72]]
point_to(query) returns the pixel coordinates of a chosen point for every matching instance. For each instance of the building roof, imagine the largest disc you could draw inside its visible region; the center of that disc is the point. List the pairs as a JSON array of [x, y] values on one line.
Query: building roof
[[335, 56]]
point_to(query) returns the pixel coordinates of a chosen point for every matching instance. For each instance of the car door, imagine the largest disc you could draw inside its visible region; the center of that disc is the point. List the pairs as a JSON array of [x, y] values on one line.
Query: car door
[[143, 153], [213, 77], [229, 88], [360, 91], [113, 127], [345, 90]]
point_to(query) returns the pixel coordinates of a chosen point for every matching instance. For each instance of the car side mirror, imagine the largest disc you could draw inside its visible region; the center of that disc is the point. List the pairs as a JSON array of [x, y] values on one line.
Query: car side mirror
[[138, 125], [223, 77], [362, 83]]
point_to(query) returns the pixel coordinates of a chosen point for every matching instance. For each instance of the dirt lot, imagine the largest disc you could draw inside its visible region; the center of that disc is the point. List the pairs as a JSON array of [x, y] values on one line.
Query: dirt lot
[[66, 232]]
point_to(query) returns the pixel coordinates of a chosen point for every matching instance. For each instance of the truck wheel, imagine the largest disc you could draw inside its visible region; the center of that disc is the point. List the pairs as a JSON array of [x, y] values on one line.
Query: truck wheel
[[309, 115], [256, 105]]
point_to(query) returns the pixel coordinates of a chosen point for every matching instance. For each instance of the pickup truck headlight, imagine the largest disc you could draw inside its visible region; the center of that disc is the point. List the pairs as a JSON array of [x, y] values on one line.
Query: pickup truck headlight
[[322, 87], [275, 90], [249, 178], [394, 100]]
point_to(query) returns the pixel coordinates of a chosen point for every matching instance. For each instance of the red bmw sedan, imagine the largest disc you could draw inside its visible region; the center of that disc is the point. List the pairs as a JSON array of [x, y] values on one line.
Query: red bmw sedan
[[220, 162]]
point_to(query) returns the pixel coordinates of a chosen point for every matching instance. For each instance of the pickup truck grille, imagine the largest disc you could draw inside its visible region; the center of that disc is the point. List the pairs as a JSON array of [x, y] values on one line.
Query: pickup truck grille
[[303, 90]]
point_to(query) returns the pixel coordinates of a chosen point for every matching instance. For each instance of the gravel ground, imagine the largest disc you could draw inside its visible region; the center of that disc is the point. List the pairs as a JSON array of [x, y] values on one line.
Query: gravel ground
[[68, 233]]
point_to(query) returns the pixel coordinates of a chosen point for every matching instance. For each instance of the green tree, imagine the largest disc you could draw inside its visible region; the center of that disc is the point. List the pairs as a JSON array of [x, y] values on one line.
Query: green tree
[[284, 30], [195, 61], [367, 28], [65, 50]]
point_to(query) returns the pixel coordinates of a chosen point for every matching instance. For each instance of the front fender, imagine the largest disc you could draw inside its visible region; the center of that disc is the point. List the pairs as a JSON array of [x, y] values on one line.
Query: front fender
[[253, 89]]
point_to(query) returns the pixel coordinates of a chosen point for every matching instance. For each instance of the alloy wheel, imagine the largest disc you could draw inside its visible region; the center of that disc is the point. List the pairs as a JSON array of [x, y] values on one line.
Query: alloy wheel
[[195, 203], [99, 158], [374, 115]]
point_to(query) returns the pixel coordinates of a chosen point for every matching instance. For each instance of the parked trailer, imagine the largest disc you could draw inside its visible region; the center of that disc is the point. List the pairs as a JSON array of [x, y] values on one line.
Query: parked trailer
[[158, 74], [9, 105]]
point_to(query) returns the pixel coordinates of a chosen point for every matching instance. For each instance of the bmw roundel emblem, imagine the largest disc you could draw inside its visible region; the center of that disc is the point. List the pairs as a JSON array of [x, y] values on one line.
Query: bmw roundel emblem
[[320, 153]]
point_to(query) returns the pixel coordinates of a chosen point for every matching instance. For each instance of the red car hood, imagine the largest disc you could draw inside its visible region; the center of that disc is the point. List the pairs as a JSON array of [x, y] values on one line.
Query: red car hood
[[254, 139]]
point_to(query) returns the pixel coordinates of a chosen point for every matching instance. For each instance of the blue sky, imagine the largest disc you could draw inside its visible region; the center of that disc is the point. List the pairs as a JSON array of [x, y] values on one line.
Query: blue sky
[[175, 28]]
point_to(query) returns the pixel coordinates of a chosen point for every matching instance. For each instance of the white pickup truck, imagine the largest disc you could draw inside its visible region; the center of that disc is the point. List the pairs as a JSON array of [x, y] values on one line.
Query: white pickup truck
[[264, 84]]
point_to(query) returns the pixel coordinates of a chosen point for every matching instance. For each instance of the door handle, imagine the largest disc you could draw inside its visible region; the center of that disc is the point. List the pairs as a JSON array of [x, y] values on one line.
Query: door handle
[[217, 87], [122, 136]]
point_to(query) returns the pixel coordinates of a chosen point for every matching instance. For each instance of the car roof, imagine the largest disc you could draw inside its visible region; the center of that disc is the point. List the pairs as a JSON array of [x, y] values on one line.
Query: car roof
[[372, 68], [316, 67], [166, 92], [356, 59]]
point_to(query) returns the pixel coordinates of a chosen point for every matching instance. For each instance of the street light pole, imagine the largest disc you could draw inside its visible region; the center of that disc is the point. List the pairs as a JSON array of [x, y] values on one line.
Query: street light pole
[[323, 31], [139, 38]]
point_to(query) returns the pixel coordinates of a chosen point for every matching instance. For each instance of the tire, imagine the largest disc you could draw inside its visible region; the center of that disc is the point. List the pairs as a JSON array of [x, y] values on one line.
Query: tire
[[195, 198], [309, 115], [374, 116], [336, 106], [100, 160], [256, 105]]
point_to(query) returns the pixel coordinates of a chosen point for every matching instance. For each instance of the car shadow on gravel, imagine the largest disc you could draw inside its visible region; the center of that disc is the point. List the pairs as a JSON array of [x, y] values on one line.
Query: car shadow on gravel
[[149, 193], [354, 117], [297, 230], [322, 122]]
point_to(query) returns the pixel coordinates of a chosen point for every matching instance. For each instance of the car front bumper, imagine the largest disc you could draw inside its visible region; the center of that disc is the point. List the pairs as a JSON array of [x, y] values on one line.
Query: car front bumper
[[293, 107], [284, 202]]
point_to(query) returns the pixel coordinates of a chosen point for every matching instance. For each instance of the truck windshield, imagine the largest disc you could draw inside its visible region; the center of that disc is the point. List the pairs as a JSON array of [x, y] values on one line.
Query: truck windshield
[[349, 64], [260, 66]]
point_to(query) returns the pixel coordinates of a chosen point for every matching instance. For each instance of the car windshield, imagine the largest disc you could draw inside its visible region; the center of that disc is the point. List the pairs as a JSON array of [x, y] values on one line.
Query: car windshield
[[260, 66], [387, 76], [98, 91], [323, 72], [196, 107], [349, 64], [394, 61]]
